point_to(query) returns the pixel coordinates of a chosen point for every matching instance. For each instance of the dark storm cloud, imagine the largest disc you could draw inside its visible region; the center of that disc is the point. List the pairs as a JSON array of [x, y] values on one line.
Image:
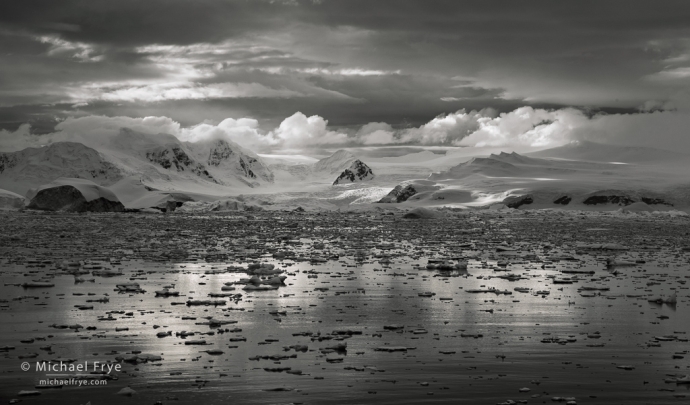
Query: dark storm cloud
[[352, 62], [136, 22]]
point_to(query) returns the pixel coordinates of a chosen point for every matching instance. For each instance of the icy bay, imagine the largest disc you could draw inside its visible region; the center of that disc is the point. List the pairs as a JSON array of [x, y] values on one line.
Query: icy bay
[[351, 307]]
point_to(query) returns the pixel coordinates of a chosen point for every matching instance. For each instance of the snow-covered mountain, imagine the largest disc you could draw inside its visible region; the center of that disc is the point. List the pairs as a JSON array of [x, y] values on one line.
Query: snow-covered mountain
[[160, 161], [504, 165], [335, 163], [223, 158], [169, 163], [339, 168], [579, 175], [400, 193], [145, 170], [292, 172], [32, 167], [599, 152], [357, 172]]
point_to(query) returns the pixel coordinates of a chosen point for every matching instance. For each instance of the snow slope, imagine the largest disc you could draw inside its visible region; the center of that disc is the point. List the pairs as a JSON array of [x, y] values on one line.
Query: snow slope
[[135, 194], [579, 176], [599, 152], [160, 161], [32, 167], [334, 164], [656, 177], [164, 162]]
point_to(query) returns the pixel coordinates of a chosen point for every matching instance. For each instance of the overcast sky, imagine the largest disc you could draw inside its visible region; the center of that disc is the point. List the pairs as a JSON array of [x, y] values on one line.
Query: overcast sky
[[350, 62]]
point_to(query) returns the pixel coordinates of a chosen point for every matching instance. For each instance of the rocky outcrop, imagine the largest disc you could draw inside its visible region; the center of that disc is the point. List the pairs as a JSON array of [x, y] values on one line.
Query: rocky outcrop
[[399, 194], [246, 167], [563, 200], [171, 206], [358, 171], [655, 201], [422, 213], [227, 159], [219, 152], [225, 205], [175, 156], [518, 201], [7, 161], [622, 200], [69, 199]]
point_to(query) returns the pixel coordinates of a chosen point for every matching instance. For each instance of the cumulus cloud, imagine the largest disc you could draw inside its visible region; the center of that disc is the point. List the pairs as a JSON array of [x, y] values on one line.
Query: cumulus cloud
[[445, 130], [540, 128], [376, 133], [299, 130], [98, 130], [244, 131], [657, 105], [523, 127], [19, 139], [296, 131], [98, 126], [93, 130], [442, 130], [543, 128]]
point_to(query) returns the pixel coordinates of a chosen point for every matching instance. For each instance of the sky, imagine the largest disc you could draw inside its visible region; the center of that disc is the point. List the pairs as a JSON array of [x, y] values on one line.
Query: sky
[[286, 75]]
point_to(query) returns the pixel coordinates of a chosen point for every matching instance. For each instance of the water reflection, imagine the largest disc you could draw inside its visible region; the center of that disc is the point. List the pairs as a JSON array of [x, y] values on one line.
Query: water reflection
[[460, 344]]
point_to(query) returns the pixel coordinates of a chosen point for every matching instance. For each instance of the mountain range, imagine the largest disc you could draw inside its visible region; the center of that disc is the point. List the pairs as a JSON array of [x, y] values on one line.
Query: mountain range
[[159, 171], [148, 169]]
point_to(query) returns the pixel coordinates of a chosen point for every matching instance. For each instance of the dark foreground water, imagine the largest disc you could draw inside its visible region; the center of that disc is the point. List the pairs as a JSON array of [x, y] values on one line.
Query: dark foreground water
[[609, 345]]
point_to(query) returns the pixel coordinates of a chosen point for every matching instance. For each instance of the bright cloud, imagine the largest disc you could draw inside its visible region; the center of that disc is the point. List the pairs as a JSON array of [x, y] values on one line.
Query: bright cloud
[[244, 131], [351, 72], [179, 91], [523, 127], [19, 139], [78, 50], [448, 129], [299, 130], [671, 75], [94, 130], [376, 133], [200, 71]]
